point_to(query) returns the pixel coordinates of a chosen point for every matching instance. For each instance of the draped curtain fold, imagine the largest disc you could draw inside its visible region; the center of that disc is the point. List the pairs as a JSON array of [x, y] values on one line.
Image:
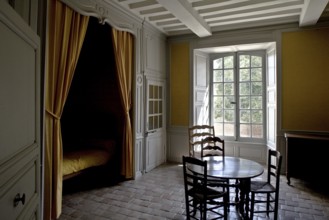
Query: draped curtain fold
[[66, 32], [123, 51]]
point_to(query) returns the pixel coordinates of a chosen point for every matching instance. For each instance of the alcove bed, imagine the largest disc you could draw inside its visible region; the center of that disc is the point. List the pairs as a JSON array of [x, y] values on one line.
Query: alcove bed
[[92, 119]]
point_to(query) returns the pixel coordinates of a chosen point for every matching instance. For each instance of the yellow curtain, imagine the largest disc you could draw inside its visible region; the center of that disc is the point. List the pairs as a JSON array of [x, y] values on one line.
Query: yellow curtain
[[123, 50], [66, 33]]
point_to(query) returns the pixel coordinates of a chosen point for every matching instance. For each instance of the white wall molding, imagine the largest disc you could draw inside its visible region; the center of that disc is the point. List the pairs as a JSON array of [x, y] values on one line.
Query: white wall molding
[[106, 13]]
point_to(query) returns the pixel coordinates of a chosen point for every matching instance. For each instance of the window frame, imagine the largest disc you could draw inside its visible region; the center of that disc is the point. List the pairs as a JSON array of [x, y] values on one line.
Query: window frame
[[236, 67]]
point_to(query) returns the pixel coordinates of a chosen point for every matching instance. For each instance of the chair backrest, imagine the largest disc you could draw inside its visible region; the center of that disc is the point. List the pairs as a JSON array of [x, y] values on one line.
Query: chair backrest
[[274, 167], [191, 179], [196, 134], [212, 146]]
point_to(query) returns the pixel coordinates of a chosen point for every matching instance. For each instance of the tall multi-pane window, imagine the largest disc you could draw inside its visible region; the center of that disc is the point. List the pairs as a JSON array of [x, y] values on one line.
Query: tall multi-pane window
[[238, 95]]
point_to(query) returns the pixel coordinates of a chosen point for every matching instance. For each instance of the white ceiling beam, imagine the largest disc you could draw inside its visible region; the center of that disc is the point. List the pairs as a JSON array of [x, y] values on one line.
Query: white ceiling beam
[[252, 12], [252, 5], [254, 18], [312, 11], [214, 3], [184, 11]]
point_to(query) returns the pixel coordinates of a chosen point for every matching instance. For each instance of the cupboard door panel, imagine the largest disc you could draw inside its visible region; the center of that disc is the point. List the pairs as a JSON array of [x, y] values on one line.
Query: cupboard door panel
[[17, 93], [20, 116]]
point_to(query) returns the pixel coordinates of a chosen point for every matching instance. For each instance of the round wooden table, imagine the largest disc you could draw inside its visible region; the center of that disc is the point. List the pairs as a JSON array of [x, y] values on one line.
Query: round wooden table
[[233, 168]]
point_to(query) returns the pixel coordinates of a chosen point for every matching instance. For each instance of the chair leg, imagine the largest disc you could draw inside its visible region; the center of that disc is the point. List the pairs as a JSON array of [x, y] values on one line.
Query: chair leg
[[227, 198], [204, 211], [187, 207], [194, 207], [252, 204], [268, 204], [276, 203], [236, 192], [226, 206]]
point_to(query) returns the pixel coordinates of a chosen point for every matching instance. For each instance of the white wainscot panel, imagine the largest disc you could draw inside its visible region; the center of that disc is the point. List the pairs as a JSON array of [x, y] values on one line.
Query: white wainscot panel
[[200, 96], [154, 152], [271, 96], [252, 151], [139, 105], [155, 54], [178, 146], [138, 157], [201, 73], [229, 150], [271, 125]]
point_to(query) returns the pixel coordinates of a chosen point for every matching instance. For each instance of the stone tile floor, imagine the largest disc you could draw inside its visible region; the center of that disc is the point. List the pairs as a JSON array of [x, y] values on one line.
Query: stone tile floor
[[159, 194]]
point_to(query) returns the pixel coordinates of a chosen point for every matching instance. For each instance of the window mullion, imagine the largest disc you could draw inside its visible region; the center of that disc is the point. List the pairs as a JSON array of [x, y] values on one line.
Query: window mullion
[[237, 101]]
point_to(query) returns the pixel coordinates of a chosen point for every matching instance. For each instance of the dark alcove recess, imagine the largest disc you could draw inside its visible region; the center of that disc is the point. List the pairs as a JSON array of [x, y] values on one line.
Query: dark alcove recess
[[93, 112]]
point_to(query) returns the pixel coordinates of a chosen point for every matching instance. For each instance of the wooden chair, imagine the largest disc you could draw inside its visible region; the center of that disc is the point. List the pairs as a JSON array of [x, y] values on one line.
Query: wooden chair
[[212, 146], [196, 134], [215, 146], [198, 195], [267, 192]]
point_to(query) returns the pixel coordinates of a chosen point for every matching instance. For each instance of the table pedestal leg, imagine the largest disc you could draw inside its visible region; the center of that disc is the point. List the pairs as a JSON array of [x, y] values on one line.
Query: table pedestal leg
[[244, 198]]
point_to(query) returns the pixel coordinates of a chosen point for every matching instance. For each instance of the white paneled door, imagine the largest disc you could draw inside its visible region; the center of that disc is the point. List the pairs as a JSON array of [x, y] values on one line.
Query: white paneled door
[[155, 128]]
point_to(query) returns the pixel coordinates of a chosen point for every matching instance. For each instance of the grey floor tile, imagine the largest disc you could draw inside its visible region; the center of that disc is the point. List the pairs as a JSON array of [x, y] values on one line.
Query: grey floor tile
[[159, 194]]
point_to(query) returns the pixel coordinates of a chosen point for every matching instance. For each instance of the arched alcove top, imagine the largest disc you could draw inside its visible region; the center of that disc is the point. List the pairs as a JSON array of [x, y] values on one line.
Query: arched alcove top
[[106, 12]]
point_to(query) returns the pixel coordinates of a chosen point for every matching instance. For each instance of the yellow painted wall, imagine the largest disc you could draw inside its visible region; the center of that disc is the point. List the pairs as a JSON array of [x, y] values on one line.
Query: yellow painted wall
[[305, 80], [179, 84]]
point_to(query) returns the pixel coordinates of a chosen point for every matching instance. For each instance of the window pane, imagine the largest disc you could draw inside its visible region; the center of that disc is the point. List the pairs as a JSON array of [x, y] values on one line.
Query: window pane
[[256, 61], [218, 75], [256, 102], [151, 127], [156, 105], [218, 115], [228, 102], [219, 129], [257, 116], [218, 89], [244, 116], [218, 103], [228, 88], [245, 130], [245, 102], [160, 121], [156, 122], [160, 107], [228, 62], [244, 61], [156, 94], [229, 129], [256, 88], [257, 131], [244, 88], [228, 76], [218, 64], [256, 74], [228, 115], [244, 75], [151, 107]]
